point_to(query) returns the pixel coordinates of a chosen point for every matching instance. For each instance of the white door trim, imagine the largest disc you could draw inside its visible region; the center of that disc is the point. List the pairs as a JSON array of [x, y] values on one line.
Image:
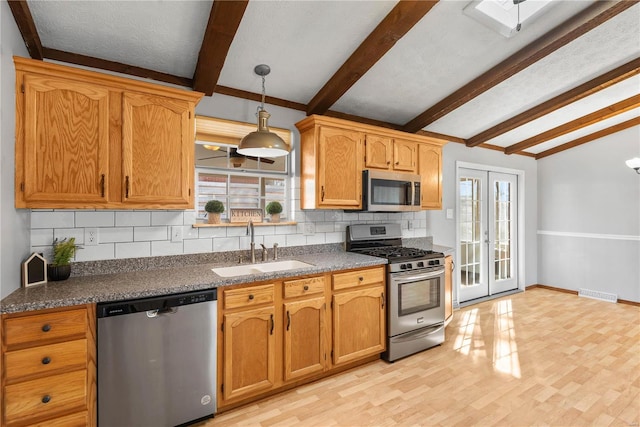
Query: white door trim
[[521, 228]]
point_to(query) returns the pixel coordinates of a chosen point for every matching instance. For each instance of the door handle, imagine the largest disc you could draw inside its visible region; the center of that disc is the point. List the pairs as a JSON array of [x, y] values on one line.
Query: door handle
[[288, 320], [382, 299], [271, 331]]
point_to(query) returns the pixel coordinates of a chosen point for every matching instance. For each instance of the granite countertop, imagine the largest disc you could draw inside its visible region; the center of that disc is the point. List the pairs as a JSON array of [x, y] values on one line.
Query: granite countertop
[[156, 282]]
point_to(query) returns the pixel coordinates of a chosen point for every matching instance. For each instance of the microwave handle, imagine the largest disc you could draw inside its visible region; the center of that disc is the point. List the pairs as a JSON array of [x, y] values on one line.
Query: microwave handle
[[416, 193], [410, 194]]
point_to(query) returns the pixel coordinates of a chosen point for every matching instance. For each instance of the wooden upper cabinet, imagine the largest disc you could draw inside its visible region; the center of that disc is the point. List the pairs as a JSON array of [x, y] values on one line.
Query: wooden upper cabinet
[[378, 152], [339, 168], [67, 158], [157, 136], [404, 155], [430, 171], [91, 140]]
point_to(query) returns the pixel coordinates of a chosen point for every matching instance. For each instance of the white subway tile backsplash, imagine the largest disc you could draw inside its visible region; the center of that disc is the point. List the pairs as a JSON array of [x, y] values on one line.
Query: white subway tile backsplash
[[296, 240], [133, 219], [150, 233], [115, 235], [189, 232], [266, 230], [95, 219], [270, 240], [286, 229], [334, 237], [46, 251], [207, 232], [365, 216], [68, 233], [315, 239], [167, 218], [237, 231], [52, 219], [189, 217], [314, 216], [379, 216], [197, 246], [95, 253], [324, 227], [133, 250], [350, 216], [41, 237], [226, 244], [166, 247]]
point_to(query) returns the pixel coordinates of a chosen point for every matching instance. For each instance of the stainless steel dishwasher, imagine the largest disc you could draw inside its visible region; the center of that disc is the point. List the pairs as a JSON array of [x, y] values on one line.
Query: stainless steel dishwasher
[[157, 360]]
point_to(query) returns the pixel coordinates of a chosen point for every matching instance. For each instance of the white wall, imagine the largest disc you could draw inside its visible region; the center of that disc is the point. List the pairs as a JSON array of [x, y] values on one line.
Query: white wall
[[589, 217], [14, 240], [444, 230]]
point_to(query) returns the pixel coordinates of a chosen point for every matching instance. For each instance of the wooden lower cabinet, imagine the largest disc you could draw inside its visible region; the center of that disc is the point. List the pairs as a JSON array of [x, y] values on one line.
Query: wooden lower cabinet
[[277, 335], [49, 367], [249, 352]]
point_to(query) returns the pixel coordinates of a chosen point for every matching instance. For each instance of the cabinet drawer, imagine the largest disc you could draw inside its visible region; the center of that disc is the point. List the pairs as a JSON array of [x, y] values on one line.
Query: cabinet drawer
[[45, 396], [358, 278], [45, 359], [41, 327], [248, 297], [79, 419], [297, 288]]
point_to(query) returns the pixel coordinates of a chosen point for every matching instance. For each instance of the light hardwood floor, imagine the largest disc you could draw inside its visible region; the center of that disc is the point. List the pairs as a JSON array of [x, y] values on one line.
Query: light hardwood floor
[[538, 358]]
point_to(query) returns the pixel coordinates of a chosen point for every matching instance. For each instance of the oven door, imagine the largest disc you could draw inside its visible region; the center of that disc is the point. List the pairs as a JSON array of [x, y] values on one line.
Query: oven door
[[416, 300]]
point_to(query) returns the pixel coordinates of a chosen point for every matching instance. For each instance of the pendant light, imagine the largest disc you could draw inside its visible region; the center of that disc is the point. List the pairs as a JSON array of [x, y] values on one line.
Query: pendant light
[[263, 143]]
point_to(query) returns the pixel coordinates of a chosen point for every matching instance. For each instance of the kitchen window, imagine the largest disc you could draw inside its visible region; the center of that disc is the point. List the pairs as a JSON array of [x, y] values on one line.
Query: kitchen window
[[239, 182]]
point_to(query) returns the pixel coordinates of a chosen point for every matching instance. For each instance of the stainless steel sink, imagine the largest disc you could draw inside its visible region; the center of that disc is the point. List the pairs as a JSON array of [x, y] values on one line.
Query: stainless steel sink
[[246, 269]]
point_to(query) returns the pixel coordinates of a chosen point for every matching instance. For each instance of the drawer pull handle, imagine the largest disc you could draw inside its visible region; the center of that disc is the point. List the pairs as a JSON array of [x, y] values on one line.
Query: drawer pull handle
[[361, 278], [46, 360], [46, 327], [250, 296], [46, 398], [306, 287]]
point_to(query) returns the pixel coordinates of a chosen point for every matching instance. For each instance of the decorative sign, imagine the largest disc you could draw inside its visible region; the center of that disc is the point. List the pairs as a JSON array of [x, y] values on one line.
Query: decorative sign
[[34, 270], [244, 215]]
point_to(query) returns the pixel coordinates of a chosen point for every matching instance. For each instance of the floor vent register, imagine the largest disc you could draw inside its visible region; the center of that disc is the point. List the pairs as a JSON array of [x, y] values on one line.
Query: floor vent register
[[603, 296]]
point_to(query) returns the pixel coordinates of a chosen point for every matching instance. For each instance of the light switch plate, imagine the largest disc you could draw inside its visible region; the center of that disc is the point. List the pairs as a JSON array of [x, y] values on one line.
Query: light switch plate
[[449, 213], [91, 236]]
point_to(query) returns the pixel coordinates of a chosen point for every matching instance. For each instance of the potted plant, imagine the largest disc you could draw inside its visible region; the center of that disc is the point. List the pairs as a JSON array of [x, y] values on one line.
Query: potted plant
[[274, 209], [63, 251], [214, 208]]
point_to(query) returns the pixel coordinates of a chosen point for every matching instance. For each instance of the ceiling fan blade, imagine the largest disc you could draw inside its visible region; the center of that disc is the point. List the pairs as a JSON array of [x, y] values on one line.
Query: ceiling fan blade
[[212, 157], [262, 159]]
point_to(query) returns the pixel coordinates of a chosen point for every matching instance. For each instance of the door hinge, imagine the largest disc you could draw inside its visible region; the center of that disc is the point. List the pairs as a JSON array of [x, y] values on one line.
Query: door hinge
[[22, 187], [22, 88]]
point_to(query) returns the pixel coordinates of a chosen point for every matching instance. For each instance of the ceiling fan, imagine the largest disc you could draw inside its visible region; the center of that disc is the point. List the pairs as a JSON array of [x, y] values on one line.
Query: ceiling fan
[[237, 159]]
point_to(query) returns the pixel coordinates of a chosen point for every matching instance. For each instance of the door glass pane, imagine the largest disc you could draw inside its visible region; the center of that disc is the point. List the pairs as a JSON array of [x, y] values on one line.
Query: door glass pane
[[470, 230], [502, 223]]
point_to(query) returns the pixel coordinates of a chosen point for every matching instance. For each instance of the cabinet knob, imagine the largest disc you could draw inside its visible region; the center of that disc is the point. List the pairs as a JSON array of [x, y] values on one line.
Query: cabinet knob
[[46, 398], [306, 287], [361, 278], [388, 162], [46, 327], [46, 360], [251, 296]]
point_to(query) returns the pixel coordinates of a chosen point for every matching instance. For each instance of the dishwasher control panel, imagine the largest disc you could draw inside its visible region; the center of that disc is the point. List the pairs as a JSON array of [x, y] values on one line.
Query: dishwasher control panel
[[119, 308]]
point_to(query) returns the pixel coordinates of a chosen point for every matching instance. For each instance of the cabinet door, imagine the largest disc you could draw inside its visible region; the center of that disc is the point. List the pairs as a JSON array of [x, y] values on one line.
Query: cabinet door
[[430, 170], [448, 286], [404, 155], [339, 169], [65, 155], [249, 352], [157, 151], [378, 152], [358, 324], [304, 342]]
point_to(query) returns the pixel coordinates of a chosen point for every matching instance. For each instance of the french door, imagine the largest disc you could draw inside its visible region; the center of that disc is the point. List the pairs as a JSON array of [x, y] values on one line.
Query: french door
[[487, 233]]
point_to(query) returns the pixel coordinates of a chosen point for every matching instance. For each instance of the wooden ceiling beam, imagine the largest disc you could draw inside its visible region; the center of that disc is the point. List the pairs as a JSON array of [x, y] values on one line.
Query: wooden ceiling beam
[[223, 24], [252, 96], [579, 123], [588, 138], [118, 67], [391, 29], [24, 20], [571, 29], [604, 81]]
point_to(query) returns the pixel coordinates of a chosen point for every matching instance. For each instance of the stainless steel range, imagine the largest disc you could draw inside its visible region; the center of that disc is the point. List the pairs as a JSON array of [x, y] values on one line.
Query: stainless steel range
[[415, 282]]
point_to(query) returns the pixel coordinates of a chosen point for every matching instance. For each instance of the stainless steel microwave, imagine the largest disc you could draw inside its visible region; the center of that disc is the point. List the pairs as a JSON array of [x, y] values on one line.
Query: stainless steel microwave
[[384, 191]]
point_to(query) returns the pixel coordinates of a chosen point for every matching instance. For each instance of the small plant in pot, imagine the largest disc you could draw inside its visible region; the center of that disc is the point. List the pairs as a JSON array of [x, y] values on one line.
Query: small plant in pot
[[63, 251], [214, 208], [274, 209]]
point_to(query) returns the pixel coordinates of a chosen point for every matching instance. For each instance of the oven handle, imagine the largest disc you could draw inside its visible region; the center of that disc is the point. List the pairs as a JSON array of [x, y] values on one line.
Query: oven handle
[[401, 278], [419, 334]]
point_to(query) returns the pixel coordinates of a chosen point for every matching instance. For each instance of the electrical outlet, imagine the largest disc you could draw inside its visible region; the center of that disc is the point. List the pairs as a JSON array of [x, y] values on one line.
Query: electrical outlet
[[309, 228], [410, 224], [90, 237], [177, 233]]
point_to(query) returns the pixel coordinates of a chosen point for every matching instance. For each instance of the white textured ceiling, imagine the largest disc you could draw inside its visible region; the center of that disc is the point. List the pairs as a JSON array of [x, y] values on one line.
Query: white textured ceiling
[[306, 42]]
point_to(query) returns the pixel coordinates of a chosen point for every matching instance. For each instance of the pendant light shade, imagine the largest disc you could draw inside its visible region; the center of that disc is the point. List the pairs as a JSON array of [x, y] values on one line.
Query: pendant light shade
[[263, 143]]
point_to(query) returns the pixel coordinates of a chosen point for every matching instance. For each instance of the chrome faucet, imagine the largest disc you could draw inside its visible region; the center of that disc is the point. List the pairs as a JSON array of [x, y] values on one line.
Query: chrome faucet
[[264, 252], [251, 233], [275, 251]]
